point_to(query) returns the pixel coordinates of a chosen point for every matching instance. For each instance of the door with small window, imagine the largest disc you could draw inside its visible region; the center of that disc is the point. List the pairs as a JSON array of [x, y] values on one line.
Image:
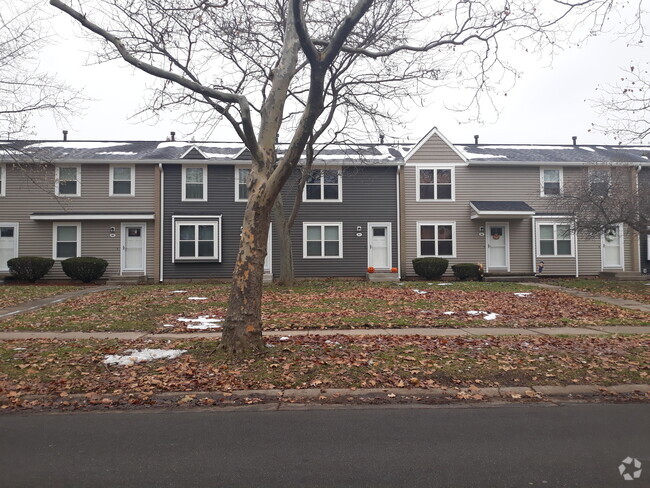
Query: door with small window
[[497, 247], [133, 247], [8, 244], [379, 246]]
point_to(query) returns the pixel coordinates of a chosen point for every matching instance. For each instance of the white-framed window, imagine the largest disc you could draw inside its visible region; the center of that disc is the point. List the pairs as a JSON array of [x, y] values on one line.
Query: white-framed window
[[323, 185], [122, 180], [322, 240], [555, 239], [8, 243], [241, 183], [599, 181], [436, 239], [195, 183], [68, 181], [550, 181], [66, 240], [435, 184], [3, 180], [197, 240]]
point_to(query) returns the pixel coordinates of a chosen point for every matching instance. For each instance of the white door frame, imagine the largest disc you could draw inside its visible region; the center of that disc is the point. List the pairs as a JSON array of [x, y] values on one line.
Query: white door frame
[[16, 227], [506, 227], [389, 241], [143, 225], [621, 250]]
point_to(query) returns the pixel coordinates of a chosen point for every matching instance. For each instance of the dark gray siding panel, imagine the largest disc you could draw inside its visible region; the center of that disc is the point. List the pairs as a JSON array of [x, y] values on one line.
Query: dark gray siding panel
[[369, 195]]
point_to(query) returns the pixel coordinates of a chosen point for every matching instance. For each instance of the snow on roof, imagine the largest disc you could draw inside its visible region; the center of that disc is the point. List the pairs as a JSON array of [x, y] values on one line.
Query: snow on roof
[[555, 153]]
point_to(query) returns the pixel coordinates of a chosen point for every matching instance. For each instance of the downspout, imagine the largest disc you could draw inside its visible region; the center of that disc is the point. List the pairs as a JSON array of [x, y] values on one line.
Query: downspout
[[574, 236], [534, 247], [162, 218], [399, 225]]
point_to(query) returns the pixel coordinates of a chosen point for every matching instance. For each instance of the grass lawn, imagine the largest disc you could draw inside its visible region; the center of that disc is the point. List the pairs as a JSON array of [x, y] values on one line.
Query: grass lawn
[[65, 367], [629, 290], [330, 304], [14, 294]]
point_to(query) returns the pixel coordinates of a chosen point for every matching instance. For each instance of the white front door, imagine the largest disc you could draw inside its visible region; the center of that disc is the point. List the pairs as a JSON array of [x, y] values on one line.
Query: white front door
[[133, 247], [379, 246], [612, 246], [8, 244], [497, 247], [268, 260]]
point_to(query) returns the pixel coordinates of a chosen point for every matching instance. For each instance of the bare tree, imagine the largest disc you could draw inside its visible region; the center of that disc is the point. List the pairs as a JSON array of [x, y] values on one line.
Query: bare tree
[[266, 73], [25, 90], [601, 197]]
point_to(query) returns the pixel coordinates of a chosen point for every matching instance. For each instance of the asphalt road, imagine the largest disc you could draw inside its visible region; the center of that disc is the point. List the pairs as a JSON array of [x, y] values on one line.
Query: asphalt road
[[488, 447]]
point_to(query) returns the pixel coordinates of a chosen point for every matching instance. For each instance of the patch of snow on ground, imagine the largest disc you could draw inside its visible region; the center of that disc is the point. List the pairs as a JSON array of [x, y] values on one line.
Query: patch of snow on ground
[[284, 338], [448, 313], [178, 291], [132, 356], [476, 312], [197, 298], [169, 325], [203, 322], [419, 292], [19, 348], [491, 316], [444, 284], [523, 294]]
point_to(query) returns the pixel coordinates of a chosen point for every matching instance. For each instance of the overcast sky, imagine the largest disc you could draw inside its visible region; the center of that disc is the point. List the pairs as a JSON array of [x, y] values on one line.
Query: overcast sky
[[549, 104]]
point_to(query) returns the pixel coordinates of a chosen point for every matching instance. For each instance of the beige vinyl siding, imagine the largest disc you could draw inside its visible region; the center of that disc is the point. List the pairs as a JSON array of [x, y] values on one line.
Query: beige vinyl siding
[[31, 190], [434, 150]]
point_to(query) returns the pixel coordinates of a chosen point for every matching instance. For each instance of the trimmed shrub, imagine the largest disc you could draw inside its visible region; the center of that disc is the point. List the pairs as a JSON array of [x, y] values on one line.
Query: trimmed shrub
[[467, 271], [30, 268], [86, 269], [430, 268]]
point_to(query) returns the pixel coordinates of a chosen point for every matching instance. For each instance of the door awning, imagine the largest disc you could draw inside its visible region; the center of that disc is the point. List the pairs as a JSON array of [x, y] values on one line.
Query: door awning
[[500, 210]]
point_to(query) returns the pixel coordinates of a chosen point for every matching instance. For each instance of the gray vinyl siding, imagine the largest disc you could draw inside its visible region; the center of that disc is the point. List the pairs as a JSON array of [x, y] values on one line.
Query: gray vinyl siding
[[31, 190], [644, 189], [369, 195], [513, 183]]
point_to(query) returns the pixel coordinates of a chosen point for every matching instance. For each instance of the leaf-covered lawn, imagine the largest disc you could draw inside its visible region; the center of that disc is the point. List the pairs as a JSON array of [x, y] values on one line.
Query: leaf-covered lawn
[[11, 295], [628, 290], [330, 304], [61, 368]]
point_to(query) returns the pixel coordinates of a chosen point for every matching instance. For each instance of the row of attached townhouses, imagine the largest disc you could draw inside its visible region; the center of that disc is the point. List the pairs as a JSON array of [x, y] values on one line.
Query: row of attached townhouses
[[172, 210]]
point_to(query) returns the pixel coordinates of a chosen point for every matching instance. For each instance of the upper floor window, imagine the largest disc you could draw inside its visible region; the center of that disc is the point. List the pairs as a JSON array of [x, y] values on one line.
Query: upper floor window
[[3, 180], [436, 239], [195, 183], [67, 240], [551, 181], [241, 184], [599, 181], [323, 185], [554, 239], [435, 184], [68, 181], [122, 180]]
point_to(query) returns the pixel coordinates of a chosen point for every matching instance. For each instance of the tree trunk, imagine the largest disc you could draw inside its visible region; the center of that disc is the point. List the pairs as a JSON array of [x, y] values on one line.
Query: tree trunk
[[287, 276], [242, 331]]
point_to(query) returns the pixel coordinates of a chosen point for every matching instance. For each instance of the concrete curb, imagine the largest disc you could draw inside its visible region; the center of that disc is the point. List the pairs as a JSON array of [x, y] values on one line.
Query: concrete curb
[[376, 395], [425, 332]]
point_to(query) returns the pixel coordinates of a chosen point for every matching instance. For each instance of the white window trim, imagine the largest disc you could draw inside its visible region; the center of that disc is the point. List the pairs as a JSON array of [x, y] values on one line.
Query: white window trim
[[321, 224], [621, 249], [16, 227], [237, 196], [196, 220], [3, 180], [541, 180], [204, 167], [555, 223], [56, 180], [418, 224], [322, 191], [55, 226], [435, 200], [111, 180]]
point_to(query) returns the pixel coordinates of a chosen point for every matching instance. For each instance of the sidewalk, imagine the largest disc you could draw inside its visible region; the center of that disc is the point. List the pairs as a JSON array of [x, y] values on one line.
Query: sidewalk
[[421, 331], [619, 302]]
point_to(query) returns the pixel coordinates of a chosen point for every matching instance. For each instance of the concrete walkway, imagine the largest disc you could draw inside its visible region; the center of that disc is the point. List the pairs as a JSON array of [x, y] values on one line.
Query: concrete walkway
[[619, 302], [426, 332], [44, 302]]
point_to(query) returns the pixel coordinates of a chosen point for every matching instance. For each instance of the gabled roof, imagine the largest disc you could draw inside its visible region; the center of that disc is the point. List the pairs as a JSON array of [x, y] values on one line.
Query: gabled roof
[[433, 132]]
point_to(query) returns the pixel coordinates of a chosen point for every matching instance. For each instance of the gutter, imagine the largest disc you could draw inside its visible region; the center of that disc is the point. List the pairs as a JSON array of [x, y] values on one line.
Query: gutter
[[399, 225], [162, 219]]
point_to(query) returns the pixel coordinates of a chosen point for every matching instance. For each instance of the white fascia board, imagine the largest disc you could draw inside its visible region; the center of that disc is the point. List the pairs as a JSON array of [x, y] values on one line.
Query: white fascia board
[[61, 217], [428, 136], [475, 162], [486, 214], [190, 150]]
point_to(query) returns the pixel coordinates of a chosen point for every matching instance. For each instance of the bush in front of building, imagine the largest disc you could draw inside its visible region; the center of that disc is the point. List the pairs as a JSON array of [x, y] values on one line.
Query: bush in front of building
[[29, 268], [430, 268], [467, 271], [85, 269]]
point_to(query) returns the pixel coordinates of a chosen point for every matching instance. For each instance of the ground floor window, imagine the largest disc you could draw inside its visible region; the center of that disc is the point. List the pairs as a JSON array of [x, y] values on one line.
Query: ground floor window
[[322, 240], [66, 240], [436, 239], [197, 240], [554, 239]]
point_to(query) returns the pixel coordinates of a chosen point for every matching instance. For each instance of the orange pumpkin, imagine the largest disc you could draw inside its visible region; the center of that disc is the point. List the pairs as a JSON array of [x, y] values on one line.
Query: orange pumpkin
[[393, 270], [371, 269]]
